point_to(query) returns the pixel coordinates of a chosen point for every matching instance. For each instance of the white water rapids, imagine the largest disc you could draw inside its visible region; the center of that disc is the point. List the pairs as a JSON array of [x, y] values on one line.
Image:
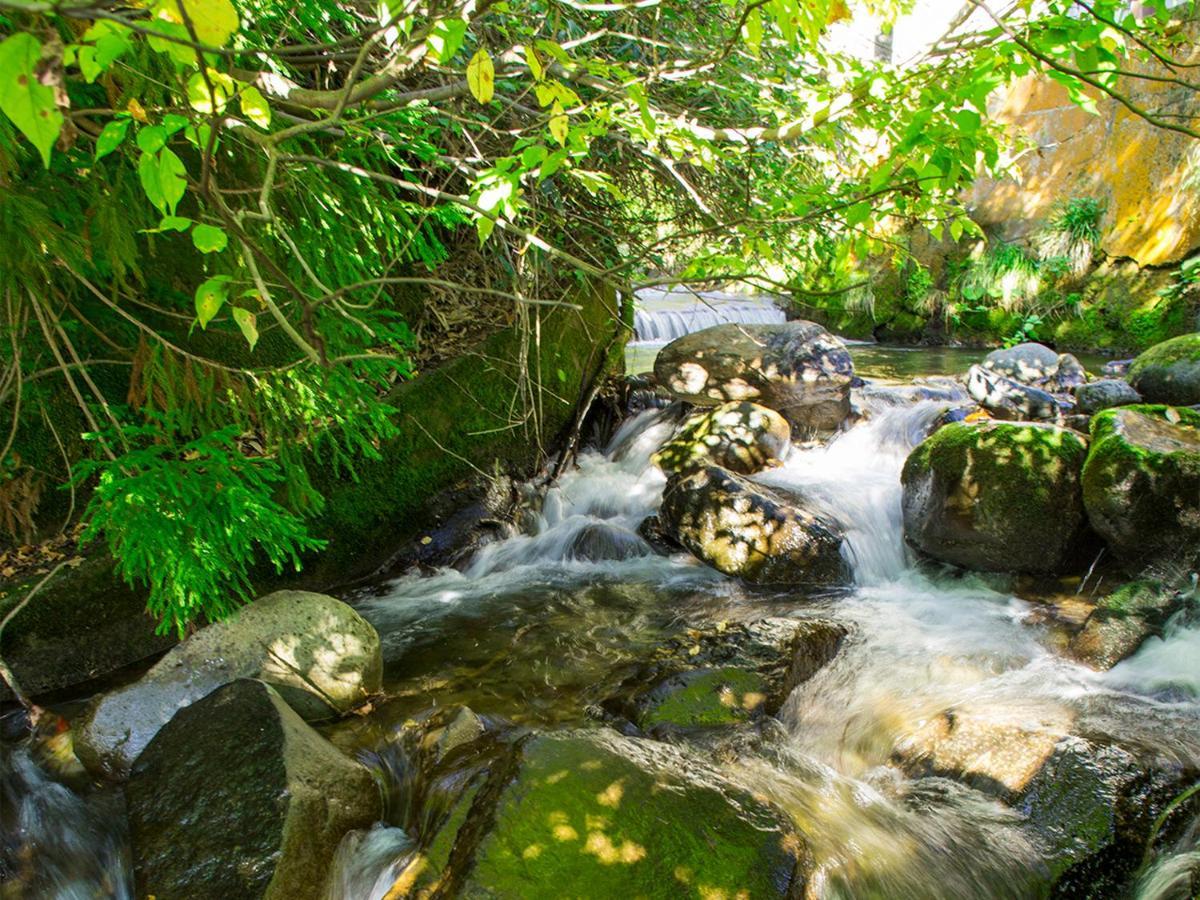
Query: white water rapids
[[921, 642]]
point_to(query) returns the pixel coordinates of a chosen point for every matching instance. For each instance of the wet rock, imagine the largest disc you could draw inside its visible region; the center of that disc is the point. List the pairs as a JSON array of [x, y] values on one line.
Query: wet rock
[[237, 797], [1070, 375], [1121, 621], [1104, 394], [1028, 363], [730, 673], [322, 657], [997, 497], [598, 814], [651, 531], [1096, 807], [1169, 372], [1116, 368], [747, 530], [996, 751], [83, 624], [797, 368], [742, 437], [1007, 398], [605, 541], [1141, 483]]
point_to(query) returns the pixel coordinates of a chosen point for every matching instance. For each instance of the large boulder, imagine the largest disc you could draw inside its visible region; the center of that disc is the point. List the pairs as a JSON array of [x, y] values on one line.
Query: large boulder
[[740, 436], [1028, 363], [322, 657], [797, 368], [1121, 621], [1007, 398], [1141, 483], [999, 497], [1105, 393], [594, 814], [747, 530], [237, 797], [1169, 372]]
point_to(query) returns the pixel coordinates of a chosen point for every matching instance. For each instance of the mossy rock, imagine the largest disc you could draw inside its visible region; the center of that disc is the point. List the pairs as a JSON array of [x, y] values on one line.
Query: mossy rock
[[1000, 497], [1169, 372], [1141, 483], [705, 698], [83, 624], [1122, 620], [742, 437], [593, 814]]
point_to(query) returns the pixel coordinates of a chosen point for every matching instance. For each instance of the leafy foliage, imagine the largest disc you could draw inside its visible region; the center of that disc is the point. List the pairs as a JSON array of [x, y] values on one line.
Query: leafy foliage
[[1072, 234], [225, 221]]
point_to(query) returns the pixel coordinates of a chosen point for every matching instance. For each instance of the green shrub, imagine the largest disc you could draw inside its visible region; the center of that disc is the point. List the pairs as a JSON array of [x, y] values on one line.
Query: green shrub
[[1072, 235]]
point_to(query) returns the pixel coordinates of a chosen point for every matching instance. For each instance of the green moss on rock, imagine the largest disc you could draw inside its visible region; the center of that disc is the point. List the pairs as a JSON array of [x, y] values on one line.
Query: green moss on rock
[[1004, 496], [597, 815], [1141, 483], [705, 698], [1169, 372]]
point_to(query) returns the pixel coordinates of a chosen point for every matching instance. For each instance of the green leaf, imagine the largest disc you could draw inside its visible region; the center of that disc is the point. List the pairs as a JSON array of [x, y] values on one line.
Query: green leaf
[[968, 121], [481, 76], [162, 178], [446, 38], [25, 100], [247, 322], [485, 226], [536, 69], [199, 96], [531, 157], [152, 139], [255, 107], [173, 123], [558, 124], [214, 21], [111, 137], [209, 238], [210, 297], [174, 223]]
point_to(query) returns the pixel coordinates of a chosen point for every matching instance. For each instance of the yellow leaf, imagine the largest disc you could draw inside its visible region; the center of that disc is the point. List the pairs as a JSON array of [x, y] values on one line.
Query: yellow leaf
[[481, 76], [558, 124], [255, 107], [135, 109], [535, 64], [215, 21]]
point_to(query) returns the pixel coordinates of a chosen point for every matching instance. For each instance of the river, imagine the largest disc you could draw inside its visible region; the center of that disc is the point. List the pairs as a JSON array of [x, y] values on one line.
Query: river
[[539, 628]]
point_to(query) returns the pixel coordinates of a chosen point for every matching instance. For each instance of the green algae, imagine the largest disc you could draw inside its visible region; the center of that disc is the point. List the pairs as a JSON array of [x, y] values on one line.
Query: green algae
[[584, 819], [707, 698]]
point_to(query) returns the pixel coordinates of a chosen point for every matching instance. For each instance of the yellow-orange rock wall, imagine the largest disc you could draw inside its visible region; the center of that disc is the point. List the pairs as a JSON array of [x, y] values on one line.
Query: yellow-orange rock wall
[[1149, 177]]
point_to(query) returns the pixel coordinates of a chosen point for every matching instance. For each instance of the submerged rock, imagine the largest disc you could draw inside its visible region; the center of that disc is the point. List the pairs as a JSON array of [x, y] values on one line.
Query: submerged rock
[[321, 655], [594, 814], [1106, 393], [237, 797], [1028, 363], [1007, 398], [797, 368], [998, 497], [730, 673], [1141, 483], [741, 436], [747, 530], [1169, 372], [1121, 621]]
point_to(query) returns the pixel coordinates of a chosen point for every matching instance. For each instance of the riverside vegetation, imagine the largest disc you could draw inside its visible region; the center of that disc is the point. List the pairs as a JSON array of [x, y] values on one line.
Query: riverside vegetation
[[334, 297]]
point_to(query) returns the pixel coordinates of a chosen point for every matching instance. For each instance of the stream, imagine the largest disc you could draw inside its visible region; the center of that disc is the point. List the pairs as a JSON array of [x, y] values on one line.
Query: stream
[[539, 628]]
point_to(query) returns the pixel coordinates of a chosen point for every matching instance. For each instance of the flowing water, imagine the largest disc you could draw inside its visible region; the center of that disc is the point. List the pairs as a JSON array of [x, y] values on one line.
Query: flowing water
[[540, 627]]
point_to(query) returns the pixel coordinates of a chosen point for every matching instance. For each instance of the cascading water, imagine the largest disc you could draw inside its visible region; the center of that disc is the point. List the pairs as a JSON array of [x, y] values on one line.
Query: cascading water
[[540, 626], [662, 316]]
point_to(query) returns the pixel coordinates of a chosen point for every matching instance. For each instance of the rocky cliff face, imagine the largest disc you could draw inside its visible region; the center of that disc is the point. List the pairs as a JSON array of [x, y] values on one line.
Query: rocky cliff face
[[1147, 175]]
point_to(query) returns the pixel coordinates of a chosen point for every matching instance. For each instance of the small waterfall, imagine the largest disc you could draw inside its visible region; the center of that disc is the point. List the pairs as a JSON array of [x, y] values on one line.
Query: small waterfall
[[855, 480], [662, 316]]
